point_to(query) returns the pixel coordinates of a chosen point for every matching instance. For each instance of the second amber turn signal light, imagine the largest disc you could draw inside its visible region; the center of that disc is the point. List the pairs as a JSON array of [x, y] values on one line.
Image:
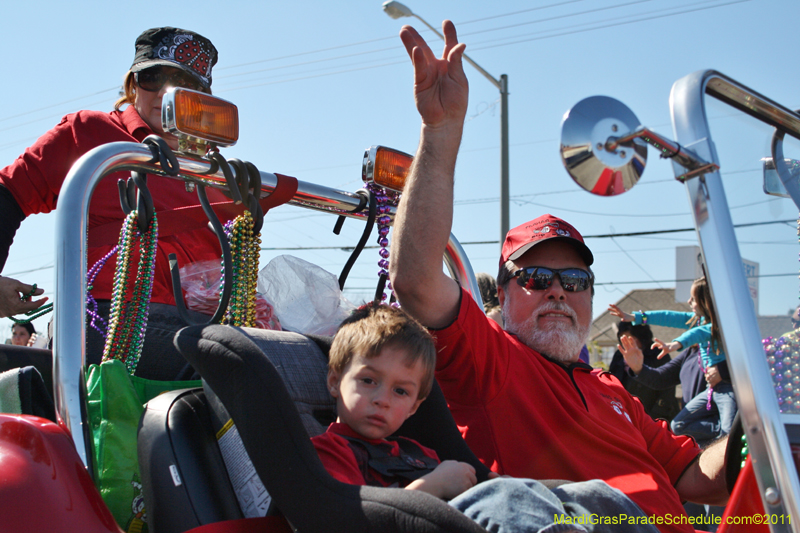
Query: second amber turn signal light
[[386, 167]]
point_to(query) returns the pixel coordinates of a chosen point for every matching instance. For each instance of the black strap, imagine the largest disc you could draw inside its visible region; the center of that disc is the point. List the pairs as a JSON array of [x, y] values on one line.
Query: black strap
[[411, 464]]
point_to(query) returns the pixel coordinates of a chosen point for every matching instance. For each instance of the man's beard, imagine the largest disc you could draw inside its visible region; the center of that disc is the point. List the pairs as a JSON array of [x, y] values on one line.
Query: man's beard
[[558, 340]]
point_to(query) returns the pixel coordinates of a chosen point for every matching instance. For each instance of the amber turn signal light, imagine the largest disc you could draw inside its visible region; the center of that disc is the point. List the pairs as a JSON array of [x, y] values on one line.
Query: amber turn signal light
[[187, 113], [386, 167]]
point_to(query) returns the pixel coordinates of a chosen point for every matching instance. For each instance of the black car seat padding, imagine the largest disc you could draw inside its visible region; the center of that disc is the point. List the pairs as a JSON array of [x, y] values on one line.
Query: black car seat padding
[[273, 434]]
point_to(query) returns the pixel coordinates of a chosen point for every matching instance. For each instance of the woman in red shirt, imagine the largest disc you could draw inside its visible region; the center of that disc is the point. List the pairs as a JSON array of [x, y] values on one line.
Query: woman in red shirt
[[165, 57]]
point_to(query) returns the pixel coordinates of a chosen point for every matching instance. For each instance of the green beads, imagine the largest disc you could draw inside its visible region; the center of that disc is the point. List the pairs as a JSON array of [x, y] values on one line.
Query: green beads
[[245, 253], [130, 295]]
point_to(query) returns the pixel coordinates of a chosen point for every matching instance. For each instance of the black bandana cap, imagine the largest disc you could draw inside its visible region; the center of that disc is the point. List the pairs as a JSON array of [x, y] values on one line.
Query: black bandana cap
[[174, 47]]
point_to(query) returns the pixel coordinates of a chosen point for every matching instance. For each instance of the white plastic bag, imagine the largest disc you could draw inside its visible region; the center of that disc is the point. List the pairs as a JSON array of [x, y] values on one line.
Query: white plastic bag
[[201, 282], [305, 297]]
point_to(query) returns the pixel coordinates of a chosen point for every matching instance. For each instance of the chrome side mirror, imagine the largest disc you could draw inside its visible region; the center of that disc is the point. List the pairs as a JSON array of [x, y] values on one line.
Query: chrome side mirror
[[604, 148], [781, 176], [772, 182], [587, 154]]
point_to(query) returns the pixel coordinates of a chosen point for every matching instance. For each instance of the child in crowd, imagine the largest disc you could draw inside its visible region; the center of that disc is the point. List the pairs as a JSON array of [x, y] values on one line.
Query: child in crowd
[[703, 331], [381, 369]]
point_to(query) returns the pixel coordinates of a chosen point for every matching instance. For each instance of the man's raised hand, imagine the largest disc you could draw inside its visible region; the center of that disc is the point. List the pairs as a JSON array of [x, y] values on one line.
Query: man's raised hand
[[440, 85]]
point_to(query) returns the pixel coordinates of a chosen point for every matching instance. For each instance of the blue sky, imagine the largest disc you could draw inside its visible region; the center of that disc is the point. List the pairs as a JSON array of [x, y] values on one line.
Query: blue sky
[[316, 83]]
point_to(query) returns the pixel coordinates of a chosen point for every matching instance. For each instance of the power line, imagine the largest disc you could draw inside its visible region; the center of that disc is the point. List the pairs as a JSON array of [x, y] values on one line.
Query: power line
[[311, 74], [538, 8], [45, 267], [395, 48], [40, 119], [557, 17], [656, 232], [472, 243], [632, 260], [613, 283], [613, 22], [571, 32], [688, 279], [58, 104]]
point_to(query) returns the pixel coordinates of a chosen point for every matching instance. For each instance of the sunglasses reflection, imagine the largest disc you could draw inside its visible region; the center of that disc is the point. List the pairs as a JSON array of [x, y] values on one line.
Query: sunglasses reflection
[[541, 278]]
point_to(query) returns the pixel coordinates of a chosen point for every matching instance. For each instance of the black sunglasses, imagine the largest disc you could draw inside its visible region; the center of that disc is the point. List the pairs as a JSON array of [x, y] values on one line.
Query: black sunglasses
[[154, 78], [541, 278]]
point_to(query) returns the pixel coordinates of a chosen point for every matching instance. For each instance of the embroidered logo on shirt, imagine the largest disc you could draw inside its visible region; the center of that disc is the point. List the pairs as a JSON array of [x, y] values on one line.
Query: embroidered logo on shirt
[[620, 409]]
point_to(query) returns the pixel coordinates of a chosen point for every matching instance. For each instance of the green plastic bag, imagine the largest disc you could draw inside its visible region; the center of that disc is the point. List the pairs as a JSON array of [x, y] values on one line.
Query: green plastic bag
[[115, 405]]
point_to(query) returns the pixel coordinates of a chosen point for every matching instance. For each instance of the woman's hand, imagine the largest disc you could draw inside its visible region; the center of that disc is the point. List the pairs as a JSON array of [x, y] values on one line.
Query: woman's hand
[[13, 299], [631, 352], [665, 347], [447, 481], [617, 312]]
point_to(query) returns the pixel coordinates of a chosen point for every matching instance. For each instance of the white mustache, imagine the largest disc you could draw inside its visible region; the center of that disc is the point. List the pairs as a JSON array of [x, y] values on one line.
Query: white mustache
[[556, 306]]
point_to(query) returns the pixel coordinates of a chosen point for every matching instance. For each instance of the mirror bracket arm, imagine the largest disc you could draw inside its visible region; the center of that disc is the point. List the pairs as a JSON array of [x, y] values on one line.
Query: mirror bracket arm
[[694, 165]]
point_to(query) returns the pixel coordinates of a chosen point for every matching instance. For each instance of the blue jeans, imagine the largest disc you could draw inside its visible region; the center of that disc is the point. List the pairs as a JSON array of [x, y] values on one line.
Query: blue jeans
[[511, 505], [707, 424]]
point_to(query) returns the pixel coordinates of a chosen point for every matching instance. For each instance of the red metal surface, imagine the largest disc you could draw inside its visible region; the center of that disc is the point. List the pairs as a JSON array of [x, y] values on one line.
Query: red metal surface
[[745, 511], [43, 483], [265, 524]]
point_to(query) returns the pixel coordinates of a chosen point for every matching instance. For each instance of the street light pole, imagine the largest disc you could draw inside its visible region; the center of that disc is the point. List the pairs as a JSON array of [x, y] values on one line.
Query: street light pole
[[397, 10]]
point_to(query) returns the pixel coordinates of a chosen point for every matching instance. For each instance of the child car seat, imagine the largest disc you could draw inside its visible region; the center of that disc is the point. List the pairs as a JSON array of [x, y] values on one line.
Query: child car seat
[[26, 374], [21, 356], [273, 386]]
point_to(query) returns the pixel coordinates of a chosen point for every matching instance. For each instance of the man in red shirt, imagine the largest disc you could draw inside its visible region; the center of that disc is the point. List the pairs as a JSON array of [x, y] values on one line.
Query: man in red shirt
[[526, 405]]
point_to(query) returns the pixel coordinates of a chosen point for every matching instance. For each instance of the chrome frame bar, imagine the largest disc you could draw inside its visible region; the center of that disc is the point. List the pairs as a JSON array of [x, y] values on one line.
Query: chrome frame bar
[[461, 270], [69, 347], [668, 149], [767, 438]]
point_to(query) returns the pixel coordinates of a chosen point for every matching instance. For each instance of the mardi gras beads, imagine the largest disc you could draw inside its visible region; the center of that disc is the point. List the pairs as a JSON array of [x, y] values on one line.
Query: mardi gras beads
[[127, 322], [245, 253], [783, 358], [384, 199]]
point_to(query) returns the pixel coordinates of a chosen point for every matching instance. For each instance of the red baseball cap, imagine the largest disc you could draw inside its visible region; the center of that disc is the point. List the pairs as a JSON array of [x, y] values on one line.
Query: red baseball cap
[[547, 227]]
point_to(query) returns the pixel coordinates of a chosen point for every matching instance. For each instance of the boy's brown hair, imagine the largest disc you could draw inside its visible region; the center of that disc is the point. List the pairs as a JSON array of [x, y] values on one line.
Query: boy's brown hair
[[373, 327]]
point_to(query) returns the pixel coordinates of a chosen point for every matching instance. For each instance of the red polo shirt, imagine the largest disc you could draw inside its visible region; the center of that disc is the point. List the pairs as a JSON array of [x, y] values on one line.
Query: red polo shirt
[[526, 416], [35, 179]]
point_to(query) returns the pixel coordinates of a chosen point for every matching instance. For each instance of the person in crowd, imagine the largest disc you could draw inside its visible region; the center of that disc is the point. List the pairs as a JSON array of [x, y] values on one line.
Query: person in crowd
[[381, 368], [657, 402], [164, 58], [491, 305], [23, 334], [526, 406], [685, 369], [717, 403]]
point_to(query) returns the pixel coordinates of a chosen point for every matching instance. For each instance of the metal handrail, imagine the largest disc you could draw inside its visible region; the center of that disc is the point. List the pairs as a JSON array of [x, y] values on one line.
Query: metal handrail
[[69, 347], [763, 423]]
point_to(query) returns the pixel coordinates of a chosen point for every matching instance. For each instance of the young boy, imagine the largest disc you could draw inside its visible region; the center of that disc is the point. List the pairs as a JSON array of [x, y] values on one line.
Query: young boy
[[381, 368]]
